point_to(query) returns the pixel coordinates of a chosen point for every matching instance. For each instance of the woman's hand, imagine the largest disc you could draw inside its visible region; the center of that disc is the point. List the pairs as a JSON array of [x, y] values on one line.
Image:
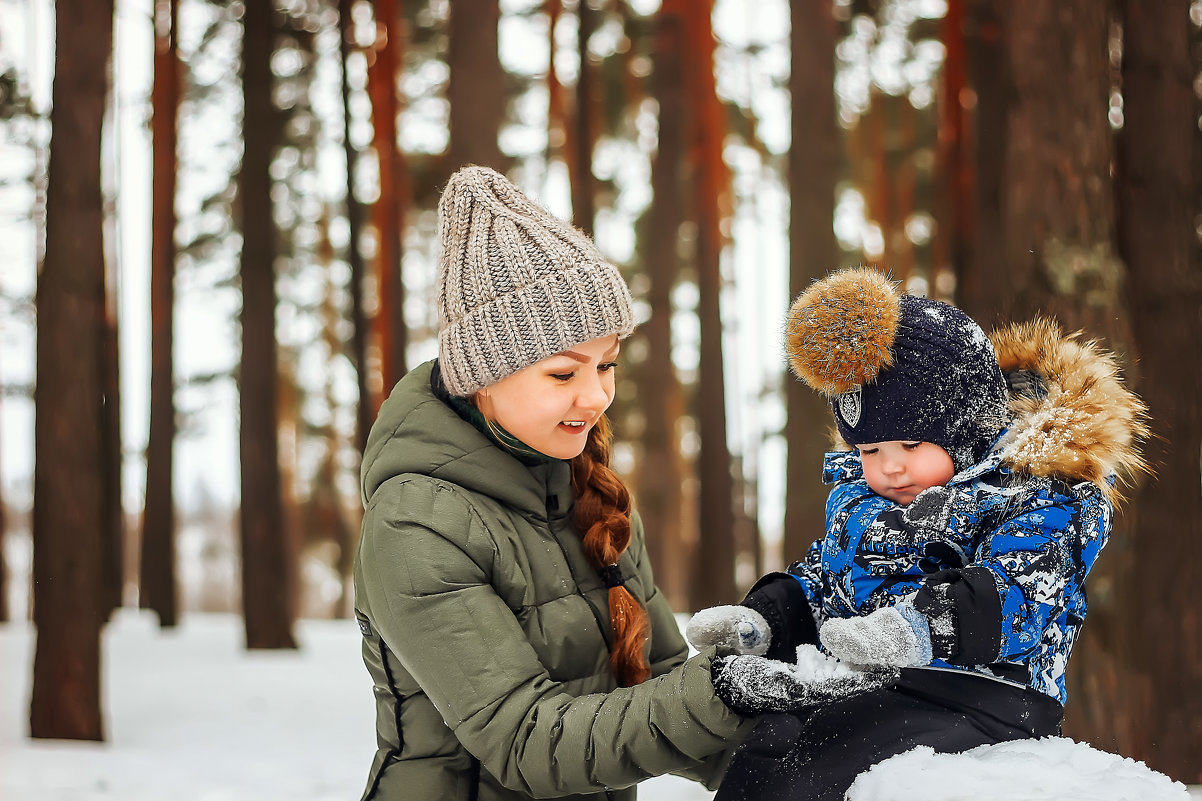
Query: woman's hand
[[753, 685]]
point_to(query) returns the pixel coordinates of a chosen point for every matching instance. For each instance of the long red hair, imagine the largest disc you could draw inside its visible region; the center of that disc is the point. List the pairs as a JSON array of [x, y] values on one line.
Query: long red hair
[[602, 514]]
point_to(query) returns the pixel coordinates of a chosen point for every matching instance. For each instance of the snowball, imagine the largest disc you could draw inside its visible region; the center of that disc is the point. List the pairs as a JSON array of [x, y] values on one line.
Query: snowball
[[813, 665]]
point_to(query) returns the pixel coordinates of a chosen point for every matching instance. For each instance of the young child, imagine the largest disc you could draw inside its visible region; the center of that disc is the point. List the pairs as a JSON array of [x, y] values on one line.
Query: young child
[[959, 532]]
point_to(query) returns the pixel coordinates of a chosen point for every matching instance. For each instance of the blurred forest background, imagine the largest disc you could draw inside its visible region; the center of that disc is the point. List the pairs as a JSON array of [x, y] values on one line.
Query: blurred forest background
[[219, 246]]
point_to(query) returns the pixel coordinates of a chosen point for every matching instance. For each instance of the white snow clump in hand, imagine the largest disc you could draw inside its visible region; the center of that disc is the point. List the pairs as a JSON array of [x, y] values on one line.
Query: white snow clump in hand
[[813, 665]]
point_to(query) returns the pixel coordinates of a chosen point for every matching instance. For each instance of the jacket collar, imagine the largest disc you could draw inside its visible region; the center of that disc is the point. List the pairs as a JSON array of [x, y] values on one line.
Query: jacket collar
[[416, 432], [1084, 425]]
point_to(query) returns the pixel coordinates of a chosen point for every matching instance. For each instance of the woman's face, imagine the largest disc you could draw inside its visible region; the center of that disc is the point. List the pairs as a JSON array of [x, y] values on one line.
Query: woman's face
[[553, 404]]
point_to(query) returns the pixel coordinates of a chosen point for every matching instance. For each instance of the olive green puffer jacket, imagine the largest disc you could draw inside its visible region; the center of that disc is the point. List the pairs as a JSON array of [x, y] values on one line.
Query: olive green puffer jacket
[[485, 629]]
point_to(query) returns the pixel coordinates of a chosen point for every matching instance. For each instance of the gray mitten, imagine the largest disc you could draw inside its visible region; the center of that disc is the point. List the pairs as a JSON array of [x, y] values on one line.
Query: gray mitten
[[892, 635], [932, 509], [733, 629], [754, 685]]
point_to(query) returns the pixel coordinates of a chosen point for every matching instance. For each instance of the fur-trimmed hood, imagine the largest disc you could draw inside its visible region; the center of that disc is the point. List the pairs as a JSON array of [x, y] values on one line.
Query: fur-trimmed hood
[[1079, 422]]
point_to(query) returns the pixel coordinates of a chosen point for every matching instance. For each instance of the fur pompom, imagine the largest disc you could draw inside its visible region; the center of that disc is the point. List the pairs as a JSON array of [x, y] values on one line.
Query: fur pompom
[[840, 331]]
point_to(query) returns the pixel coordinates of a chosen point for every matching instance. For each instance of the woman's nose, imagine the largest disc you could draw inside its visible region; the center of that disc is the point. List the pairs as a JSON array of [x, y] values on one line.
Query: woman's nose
[[592, 394]]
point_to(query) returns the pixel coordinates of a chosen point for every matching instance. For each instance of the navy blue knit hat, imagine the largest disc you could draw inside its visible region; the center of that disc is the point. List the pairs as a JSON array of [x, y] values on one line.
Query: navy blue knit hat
[[897, 367]]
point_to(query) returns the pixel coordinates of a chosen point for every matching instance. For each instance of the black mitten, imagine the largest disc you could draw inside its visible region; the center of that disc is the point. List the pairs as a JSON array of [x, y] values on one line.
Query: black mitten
[[753, 685]]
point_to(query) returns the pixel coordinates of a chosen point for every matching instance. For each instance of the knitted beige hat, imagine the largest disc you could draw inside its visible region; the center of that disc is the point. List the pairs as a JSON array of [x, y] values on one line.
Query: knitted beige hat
[[515, 283]]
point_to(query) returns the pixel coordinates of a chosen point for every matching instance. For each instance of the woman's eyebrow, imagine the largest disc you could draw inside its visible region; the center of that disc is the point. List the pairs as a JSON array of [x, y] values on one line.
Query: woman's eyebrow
[[580, 357]]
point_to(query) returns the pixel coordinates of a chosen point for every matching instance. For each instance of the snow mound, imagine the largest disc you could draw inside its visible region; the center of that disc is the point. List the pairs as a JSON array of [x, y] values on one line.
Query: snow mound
[[1048, 769]]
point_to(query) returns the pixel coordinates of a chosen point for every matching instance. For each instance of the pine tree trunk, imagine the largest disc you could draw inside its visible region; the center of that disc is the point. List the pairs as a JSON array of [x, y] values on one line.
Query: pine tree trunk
[[658, 491], [557, 113], [159, 591], [69, 504], [391, 333], [1056, 208], [476, 89], [813, 251], [1160, 640], [1046, 244], [366, 405], [984, 254], [953, 167], [584, 209], [716, 516], [113, 549], [268, 560]]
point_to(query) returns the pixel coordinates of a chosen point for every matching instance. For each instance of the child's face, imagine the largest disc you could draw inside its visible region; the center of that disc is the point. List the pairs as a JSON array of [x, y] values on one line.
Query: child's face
[[899, 470]]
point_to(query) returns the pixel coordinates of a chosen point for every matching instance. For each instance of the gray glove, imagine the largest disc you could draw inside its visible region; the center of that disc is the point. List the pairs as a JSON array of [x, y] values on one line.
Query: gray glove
[[754, 685], [892, 635], [932, 509], [733, 629]]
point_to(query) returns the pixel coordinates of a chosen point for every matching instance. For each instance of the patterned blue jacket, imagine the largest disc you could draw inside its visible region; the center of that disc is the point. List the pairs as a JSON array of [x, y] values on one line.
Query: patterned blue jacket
[[1030, 543], [998, 564]]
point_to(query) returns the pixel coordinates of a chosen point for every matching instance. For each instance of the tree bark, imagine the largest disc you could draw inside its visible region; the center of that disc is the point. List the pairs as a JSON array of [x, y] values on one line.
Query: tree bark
[[113, 549], [159, 590], [953, 167], [660, 471], [1046, 244], [716, 515], [69, 503], [584, 208], [476, 89], [268, 559], [1159, 711], [1056, 210], [366, 405], [813, 250], [391, 332], [983, 238]]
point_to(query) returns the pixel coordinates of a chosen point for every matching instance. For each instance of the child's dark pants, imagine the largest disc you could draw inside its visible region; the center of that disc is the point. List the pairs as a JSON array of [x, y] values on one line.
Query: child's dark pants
[[816, 754]]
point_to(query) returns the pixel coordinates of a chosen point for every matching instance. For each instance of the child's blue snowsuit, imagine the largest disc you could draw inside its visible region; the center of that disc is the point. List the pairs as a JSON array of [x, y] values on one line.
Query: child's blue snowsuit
[[999, 567]]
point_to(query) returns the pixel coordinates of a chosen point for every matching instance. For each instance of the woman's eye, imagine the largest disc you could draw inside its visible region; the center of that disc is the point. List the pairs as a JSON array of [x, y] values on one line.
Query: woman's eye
[[562, 376], [606, 367]]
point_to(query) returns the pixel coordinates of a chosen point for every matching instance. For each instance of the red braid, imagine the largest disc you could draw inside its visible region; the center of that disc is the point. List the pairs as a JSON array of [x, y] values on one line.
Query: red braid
[[603, 515]]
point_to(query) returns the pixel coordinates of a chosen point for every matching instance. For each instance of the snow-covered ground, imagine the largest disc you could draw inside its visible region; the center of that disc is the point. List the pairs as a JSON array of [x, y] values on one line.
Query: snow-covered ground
[[192, 716]]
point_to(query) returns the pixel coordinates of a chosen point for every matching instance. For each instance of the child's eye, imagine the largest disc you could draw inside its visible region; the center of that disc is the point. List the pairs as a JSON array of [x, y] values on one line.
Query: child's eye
[[868, 451], [562, 376], [911, 446]]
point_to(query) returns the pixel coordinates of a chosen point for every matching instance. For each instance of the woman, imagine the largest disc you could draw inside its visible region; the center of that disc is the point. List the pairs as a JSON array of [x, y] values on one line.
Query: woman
[[512, 627]]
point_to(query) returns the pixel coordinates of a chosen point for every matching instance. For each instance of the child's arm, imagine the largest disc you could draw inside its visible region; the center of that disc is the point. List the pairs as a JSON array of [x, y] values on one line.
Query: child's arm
[[1027, 573], [1024, 575], [873, 547], [879, 552], [776, 616]]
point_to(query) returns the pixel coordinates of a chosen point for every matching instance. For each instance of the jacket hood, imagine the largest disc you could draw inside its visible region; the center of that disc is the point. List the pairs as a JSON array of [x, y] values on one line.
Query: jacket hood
[[416, 432], [1078, 421]]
